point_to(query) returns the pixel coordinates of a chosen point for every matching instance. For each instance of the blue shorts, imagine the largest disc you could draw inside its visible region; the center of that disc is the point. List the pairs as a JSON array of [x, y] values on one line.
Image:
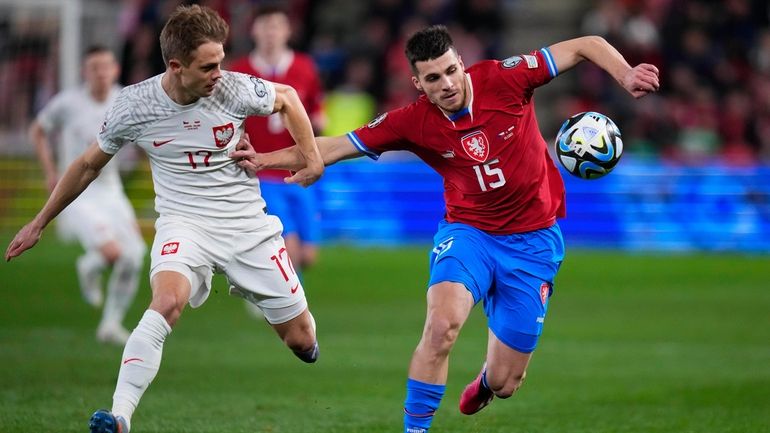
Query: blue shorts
[[296, 207], [512, 274]]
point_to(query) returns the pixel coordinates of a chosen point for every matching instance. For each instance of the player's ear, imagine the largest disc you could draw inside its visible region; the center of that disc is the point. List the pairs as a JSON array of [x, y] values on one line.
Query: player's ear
[[416, 83], [174, 65]]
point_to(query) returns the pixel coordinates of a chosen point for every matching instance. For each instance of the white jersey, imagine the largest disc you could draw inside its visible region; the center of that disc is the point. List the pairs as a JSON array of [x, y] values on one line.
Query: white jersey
[[189, 147], [74, 115]]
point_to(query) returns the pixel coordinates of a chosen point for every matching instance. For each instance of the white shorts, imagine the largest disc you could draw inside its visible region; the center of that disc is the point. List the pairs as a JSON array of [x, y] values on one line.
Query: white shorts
[[98, 216], [255, 263]]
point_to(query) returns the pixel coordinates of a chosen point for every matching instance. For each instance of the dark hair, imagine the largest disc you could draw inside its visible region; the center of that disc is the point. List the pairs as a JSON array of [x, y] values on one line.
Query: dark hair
[[189, 27], [271, 8], [427, 44], [96, 49]]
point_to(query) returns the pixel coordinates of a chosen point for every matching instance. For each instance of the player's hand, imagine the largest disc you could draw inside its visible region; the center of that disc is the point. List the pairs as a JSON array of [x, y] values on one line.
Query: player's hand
[[306, 176], [25, 239], [245, 156], [641, 80]]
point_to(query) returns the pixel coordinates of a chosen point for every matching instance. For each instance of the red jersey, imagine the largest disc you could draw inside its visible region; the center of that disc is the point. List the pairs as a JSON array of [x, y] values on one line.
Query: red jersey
[[498, 175], [268, 133]]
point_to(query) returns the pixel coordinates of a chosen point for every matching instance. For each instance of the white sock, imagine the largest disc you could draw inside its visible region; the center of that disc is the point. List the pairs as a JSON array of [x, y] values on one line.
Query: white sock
[[140, 363], [121, 289]]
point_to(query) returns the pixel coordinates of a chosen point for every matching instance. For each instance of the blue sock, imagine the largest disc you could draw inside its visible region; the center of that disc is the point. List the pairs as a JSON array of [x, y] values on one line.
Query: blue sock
[[422, 400]]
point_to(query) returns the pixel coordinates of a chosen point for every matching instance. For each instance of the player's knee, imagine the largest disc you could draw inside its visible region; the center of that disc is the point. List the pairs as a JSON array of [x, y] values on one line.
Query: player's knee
[[504, 387], [441, 333], [111, 252], [170, 304]]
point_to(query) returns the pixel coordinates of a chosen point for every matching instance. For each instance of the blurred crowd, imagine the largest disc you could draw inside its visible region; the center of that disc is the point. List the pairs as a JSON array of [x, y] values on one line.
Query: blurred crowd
[[358, 46], [714, 58]]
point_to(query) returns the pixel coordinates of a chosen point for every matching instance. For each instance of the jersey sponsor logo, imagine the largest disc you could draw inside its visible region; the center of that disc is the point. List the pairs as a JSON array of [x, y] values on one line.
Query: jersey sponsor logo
[[294, 289], [223, 134], [511, 62], [156, 143], [448, 154], [169, 248], [104, 127], [545, 289], [259, 86], [377, 120], [476, 145]]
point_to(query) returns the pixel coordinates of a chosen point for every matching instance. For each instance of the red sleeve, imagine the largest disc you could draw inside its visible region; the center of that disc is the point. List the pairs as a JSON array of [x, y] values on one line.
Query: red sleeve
[[529, 71], [387, 131]]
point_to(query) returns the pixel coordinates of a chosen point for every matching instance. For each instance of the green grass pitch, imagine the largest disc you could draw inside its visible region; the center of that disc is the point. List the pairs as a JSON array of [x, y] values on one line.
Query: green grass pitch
[[632, 343]]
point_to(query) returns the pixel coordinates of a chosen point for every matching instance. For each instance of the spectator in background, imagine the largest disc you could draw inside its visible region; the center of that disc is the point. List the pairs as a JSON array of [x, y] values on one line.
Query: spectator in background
[[102, 218], [273, 60], [715, 57], [351, 104]]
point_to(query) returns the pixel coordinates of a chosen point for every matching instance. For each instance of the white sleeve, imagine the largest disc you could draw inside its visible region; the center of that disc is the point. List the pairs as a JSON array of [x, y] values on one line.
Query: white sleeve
[[256, 94], [116, 129], [52, 115]]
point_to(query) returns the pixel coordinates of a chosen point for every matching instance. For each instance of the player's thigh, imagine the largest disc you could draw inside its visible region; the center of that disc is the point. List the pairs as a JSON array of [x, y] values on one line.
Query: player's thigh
[[89, 222], [449, 305], [127, 228], [460, 255], [172, 284], [181, 248], [525, 270], [262, 273]]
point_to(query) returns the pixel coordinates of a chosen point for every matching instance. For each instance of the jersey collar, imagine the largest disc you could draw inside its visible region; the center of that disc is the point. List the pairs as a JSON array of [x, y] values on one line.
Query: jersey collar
[[260, 64], [468, 109]]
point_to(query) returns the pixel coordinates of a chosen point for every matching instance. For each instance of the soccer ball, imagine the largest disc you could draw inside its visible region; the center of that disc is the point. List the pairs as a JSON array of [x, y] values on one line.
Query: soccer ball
[[588, 145]]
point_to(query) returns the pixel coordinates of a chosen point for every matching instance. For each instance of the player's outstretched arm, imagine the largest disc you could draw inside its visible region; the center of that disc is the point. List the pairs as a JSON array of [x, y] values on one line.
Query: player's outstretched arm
[[639, 80], [78, 176], [298, 124], [39, 138], [332, 149]]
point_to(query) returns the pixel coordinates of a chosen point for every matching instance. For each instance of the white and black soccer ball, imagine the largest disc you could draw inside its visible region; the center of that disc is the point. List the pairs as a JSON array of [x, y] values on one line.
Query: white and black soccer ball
[[589, 145]]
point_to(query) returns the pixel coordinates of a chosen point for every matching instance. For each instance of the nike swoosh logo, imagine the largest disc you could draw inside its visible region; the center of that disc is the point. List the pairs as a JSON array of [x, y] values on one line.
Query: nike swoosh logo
[[161, 143], [132, 359], [295, 288]]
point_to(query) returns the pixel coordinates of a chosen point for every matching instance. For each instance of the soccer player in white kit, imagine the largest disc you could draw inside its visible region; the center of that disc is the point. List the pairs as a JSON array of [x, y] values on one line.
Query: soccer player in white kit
[[212, 217], [101, 218]]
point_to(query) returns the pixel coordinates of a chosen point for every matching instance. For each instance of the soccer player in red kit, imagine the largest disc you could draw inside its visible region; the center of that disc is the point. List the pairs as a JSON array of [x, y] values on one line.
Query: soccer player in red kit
[[499, 241], [272, 59]]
